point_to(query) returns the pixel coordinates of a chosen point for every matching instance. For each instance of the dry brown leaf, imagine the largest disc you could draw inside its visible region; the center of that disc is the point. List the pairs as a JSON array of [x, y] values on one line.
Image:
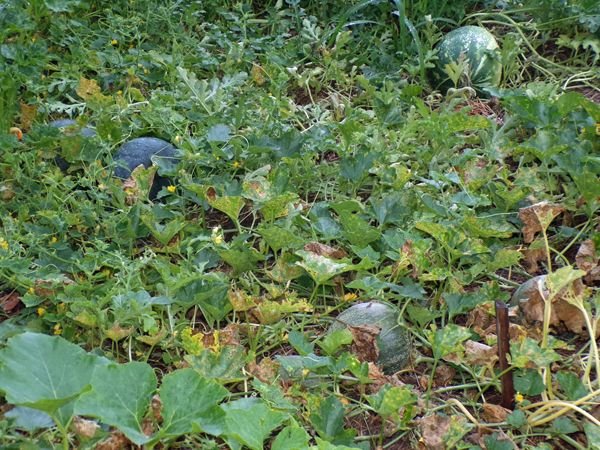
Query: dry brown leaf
[[266, 370], [116, 441], [530, 299], [364, 342], [495, 413], [480, 354], [10, 302], [481, 318], [587, 259], [85, 428], [533, 255], [377, 377], [156, 408], [535, 216], [433, 431], [325, 250], [444, 375], [130, 187]]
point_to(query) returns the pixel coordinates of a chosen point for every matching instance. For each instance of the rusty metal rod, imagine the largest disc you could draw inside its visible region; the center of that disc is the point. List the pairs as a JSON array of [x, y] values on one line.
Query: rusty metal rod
[[508, 388]]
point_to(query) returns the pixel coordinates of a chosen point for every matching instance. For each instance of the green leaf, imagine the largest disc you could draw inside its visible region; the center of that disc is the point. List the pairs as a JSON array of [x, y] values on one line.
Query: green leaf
[[230, 205], [563, 425], [448, 340], [328, 419], [528, 382], [45, 373], [389, 401], [325, 445], [120, 397], [249, 421], [571, 385], [187, 400], [241, 259], [59, 6], [504, 258], [277, 206], [300, 343], [592, 432], [527, 351], [280, 238], [29, 419], [462, 303], [292, 437], [494, 442], [334, 340], [517, 419]]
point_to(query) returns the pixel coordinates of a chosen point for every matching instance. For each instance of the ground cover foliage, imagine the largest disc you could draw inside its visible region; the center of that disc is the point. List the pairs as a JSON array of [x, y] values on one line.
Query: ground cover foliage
[[318, 167]]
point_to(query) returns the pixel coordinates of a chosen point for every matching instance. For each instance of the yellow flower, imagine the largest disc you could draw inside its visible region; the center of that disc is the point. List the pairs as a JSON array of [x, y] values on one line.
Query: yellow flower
[[41, 311], [171, 188], [31, 290], [350, 296], [598, 129], [3, 244], [57, 329], [519, 397], [114, 42], [178, 139], [53, 240], [237, 164]]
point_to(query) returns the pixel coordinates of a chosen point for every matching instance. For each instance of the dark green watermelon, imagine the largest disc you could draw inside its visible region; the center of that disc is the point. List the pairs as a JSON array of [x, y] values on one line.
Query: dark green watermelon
[[393, 340], [479, 49], [145, 151]]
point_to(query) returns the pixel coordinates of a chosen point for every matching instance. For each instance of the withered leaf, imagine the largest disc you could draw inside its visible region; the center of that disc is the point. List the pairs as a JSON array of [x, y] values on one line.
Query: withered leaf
[[537, 217], [325, 250], [28, 113], [10, 302], [364, 342], [116, 441], [433, 431], [266, 370], [494, 413], [587, 260], [480, 354], [87, 89], [85, 428]]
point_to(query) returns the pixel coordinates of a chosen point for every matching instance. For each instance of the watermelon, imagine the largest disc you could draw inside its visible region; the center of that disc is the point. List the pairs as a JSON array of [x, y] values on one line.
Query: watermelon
[[474, 46], [68, 125], [145, 151], [393, 340]]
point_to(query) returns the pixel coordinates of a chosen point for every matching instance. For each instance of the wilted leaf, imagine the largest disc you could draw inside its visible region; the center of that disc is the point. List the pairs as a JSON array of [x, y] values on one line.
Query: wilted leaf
[[116, 441], [433, 430], [320, 268], [10, 302], [495, 413], [364, 342], [325, 250], [120, 397], [85, 428], [87, 89], [538, 217], [480, 354], [28, 113], [266, 370], [587, 260]]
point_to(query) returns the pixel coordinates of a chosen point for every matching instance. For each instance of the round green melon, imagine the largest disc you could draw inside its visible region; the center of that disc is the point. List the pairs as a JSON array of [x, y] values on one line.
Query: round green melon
[[393, 340], [477, 48]]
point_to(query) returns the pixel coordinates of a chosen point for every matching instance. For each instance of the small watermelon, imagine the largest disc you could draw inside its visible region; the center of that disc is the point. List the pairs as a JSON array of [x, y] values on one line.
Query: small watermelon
[[145, 151], [477, 48], [67, 125], [393, 340]]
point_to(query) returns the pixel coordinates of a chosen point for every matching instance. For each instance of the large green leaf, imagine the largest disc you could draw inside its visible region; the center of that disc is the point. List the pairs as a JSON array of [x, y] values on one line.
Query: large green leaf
[[120, 397], [45, 373], [188, 399], [291, 438], [250, 421]]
